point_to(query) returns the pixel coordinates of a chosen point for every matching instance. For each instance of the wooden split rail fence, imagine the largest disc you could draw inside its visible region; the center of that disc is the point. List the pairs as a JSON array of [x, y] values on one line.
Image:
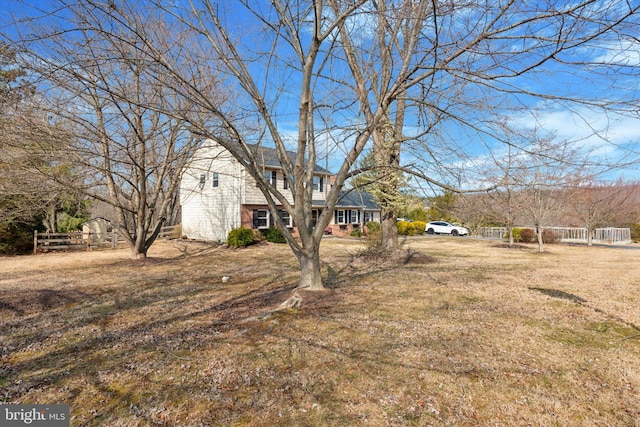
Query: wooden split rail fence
[[79, 240]]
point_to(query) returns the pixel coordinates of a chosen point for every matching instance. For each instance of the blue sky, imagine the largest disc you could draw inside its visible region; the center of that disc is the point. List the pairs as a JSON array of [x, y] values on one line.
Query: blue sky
[[616, 137]]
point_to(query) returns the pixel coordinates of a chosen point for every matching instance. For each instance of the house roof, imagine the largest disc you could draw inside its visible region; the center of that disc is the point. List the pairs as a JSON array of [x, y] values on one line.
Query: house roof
[[353, 199], [268, 157], [98, 218], [357, 199]]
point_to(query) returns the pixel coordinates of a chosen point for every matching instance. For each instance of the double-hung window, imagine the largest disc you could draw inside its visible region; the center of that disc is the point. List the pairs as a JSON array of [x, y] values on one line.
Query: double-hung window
[[271, 176], [215, 179], [318, 184], [368, 216], [355, 217], [285, 217], [261, 218]]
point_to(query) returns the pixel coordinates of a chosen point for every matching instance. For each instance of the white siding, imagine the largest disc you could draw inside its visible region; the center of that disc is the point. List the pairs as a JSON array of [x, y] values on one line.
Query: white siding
[[209, 213]]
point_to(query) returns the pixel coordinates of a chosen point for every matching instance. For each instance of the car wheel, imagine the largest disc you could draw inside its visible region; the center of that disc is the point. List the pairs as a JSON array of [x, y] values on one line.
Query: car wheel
[[454, 232], [430, 231]]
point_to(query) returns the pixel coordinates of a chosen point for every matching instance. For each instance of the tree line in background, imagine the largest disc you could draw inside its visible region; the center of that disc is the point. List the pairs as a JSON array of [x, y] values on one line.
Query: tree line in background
[[31, 194], [107, 101], [590, 205]]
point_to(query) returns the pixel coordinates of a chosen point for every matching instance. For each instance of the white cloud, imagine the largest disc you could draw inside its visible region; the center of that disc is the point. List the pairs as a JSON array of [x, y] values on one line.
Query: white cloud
[[626, 53]]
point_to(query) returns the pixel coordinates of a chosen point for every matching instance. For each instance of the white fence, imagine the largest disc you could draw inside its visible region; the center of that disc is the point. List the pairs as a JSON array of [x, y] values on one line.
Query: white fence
[[607, 235]]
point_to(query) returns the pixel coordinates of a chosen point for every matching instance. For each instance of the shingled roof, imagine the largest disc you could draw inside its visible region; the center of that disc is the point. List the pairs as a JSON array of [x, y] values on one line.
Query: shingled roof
[[353, 199], [268, 157]]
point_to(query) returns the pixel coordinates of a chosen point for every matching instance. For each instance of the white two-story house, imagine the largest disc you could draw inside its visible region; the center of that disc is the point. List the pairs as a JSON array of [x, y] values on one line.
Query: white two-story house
[[218, 195]]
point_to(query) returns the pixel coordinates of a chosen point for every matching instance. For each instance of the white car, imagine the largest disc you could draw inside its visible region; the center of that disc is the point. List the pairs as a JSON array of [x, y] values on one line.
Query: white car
[[441, 227]]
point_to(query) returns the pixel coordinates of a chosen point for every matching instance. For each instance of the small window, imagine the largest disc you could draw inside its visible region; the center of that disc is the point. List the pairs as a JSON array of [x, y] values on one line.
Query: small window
[[355, 217], [203, 179], [215, 180], [286, 218], [261, 218], [368, 216], [340, 217], [271, 176], [285, 183], [317, 183]]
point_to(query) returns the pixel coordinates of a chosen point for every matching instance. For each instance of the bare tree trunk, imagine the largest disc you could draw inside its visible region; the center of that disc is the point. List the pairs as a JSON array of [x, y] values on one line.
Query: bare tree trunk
[[310, 271], [50, 219], [539, 231], [386, 188], [511, 242], [389, 229]]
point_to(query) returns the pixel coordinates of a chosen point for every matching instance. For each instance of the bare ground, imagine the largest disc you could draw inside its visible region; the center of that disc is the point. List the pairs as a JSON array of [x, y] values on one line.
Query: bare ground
[[452, 332]]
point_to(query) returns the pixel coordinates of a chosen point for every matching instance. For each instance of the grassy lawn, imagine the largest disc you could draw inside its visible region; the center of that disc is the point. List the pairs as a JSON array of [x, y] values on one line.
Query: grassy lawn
[[466, 333]]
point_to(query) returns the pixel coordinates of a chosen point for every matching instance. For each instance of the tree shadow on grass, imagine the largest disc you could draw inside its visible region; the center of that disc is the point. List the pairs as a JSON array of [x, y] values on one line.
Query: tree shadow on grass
[[555, 293], [100, 341], [23, 302]]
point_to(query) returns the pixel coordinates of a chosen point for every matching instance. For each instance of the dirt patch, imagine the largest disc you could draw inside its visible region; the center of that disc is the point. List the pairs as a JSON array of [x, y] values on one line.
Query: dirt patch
[[381, 258], [418, 258]]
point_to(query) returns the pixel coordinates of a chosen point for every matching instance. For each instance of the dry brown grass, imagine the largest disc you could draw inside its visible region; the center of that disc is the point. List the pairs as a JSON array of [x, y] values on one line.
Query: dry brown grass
[[465, 333]]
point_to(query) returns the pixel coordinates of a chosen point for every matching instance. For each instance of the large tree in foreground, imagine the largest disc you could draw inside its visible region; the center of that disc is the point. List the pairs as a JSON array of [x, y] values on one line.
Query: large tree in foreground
[[324, 78]]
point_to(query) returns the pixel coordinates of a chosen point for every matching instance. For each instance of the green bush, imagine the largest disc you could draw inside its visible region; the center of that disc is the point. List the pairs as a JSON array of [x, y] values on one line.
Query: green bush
[[240, 237], [418, 214], [17, 238], [517, 234], [374, 234], [356, 232], [69, 223], [274, 235], [373, 227]]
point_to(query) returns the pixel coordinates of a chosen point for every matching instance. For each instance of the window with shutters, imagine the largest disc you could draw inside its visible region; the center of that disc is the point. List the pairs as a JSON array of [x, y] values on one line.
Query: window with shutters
[[261, 218]]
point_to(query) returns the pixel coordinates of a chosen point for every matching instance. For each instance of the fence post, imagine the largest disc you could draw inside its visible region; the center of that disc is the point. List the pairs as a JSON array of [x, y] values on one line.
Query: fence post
[[35, 241], [89, 241]]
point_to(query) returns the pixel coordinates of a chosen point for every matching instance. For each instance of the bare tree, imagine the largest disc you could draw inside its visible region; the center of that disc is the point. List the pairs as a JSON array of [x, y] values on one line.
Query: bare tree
[[108, 101], [451, 77], [595, 205], [399, 73], [27, 195], [544, 175]]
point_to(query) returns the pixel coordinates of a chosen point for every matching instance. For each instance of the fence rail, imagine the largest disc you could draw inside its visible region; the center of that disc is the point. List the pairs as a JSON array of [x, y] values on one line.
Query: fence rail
[[607, 235], [79, 240]]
